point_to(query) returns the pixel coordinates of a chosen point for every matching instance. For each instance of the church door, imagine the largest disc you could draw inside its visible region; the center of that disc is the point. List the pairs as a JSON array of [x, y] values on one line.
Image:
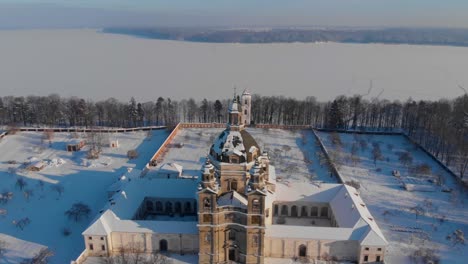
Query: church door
[[232, 254], [163, 245]]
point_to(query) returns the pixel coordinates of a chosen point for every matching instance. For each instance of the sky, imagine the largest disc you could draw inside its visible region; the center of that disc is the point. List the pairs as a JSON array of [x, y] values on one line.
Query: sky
[[232, 13]]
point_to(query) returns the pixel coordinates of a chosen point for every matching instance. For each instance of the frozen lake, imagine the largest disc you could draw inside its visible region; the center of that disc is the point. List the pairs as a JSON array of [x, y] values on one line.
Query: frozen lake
[[94, 65]]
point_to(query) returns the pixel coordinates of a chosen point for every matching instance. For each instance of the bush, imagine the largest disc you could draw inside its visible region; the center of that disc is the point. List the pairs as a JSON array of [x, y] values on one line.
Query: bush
[[354, 184], [132, 154], [66, 231]]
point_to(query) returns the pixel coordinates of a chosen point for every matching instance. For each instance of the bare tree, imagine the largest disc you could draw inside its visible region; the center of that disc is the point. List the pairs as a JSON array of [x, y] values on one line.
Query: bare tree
[[42, 257], [58, 188], [77, 211], [21, 183]]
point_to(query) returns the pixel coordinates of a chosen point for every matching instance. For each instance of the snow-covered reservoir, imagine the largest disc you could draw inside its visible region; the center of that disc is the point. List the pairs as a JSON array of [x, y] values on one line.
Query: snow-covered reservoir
[[82, 181], [55, 61]]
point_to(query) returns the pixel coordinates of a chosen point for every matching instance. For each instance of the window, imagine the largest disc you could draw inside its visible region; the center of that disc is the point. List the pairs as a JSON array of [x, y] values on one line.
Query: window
[[103, 248], [245, 102], [102, 238], [149, 206], [256, 206], [206, 218], [159, 206], [90, 238], [207, 203], [294, 211], [188, 207], [379, 249], [284, 210], [207, 238], [304, 211], [255, 240], [275, 210], [367, 249], [232, 234], [256, 219], [314, 211], [245, 111], [168, 207], [324, 212], [377, 258], [267, 212], [366, 258], [91, 247]]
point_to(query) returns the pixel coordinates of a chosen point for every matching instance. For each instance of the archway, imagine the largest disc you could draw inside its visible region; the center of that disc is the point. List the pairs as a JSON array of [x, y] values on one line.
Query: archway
[[302, 251], [284, 210], [294, 211], [304, 211], [163, 245]]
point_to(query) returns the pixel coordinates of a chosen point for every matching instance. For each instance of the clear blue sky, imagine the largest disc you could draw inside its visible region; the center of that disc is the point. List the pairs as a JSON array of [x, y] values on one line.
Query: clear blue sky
[[367, 13]]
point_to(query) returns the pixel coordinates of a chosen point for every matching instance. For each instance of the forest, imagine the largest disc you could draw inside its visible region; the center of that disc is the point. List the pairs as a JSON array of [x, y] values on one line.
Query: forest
[[441, 127]]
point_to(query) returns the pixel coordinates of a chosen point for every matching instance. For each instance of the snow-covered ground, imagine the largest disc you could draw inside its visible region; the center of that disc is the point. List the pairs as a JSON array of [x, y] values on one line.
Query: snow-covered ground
[[390, 204], [294, 153], [82, 181]]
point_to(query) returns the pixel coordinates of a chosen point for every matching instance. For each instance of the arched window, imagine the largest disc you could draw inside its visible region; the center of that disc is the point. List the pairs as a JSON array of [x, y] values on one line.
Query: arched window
[[314, 211], [302, 251], [255, 240], [256, 205], [304, 211], [233, 185], [275, 210], [178, 207], [188, 207], [294, 211], [232, 234], [324, 212], [207, 237], [206, 203], [149, 206], [284, 210], [159, 206], [168, 207]]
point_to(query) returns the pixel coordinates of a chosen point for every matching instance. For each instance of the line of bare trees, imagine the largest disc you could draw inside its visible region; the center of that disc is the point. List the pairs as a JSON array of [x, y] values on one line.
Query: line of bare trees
[[440, 126]]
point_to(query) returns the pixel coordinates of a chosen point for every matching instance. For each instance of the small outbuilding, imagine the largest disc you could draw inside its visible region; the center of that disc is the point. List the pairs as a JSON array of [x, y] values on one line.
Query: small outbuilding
[[37, 166], [75, 145]]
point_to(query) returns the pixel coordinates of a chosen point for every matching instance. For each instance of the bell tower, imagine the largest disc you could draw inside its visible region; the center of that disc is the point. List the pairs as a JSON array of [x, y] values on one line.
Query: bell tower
[[246, 102]]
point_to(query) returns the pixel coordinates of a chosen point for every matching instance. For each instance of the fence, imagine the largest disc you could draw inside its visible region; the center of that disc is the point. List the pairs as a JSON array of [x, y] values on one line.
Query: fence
[[88, 130], [327, 156], [392, 133]]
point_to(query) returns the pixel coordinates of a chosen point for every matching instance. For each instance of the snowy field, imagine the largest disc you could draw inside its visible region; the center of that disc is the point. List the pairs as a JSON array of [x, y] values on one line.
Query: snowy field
[[293, 153], [82, 180], [40, 62], [439, 213]]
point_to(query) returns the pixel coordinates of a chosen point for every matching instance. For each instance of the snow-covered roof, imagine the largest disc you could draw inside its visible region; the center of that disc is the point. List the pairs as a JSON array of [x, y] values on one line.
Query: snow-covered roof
[[246, 92], [109, 222], [38, 164], [351, 214], [232, 198], [170, 168], [75, 141], [117, 214], [234, 142]]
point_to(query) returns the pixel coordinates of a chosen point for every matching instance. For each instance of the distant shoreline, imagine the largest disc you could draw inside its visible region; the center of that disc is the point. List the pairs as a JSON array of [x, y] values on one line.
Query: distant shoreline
[[392, 36]]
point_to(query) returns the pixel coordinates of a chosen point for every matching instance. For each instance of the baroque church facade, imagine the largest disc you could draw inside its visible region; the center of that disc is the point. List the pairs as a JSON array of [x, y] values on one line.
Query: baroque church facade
[[235, 179]]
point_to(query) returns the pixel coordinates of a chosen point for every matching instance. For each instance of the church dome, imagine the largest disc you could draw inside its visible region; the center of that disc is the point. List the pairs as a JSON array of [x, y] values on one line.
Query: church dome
[[235, 147]]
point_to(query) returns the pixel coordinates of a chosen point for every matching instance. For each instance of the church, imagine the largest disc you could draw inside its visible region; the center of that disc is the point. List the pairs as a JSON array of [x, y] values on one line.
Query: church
[[235, 210]]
